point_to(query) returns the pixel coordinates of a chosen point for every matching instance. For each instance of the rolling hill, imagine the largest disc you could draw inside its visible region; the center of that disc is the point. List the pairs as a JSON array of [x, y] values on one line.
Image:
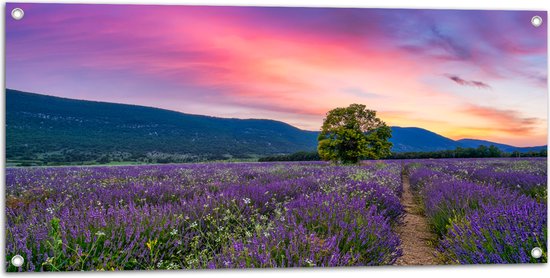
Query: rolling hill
[[414, 139], [39, 125], [52, 129], [473, 143]]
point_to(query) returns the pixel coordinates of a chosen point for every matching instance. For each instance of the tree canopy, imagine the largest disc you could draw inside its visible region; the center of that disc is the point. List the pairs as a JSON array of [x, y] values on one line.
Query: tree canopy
[[352, 133]]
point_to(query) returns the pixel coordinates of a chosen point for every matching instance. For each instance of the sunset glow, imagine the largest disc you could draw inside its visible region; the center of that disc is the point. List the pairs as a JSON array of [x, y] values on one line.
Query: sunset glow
[[462, 74]]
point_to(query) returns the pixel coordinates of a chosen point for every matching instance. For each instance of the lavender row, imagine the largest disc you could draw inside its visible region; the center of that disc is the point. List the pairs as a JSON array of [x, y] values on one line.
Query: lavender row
[[479, 222], [202, 216], [526, 175]]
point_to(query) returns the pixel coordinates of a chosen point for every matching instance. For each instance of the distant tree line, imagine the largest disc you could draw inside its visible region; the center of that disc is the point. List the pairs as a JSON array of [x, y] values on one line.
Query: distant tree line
[[479, 152], [75, 157], [299, 156], [102, 157]]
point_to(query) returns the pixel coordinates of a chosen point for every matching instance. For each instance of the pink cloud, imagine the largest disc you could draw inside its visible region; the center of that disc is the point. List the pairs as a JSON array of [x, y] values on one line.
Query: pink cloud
[[296, 62], [473, 83], [506, 121]]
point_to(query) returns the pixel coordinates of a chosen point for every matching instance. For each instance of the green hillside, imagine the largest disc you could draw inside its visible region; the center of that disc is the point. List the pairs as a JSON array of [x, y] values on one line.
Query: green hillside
[[46, 129]]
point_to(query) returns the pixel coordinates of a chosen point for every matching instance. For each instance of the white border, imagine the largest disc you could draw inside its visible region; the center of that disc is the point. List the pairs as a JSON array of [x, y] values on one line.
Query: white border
[[499, 271], [416, 4]]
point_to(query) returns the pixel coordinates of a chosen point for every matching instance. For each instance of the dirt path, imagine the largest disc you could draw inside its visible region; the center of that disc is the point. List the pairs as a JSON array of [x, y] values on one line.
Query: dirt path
[[414, 232]]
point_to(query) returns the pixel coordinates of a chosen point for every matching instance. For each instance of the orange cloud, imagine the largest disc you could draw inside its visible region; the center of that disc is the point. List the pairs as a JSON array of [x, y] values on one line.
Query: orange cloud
[[287, 64], [504, 121]]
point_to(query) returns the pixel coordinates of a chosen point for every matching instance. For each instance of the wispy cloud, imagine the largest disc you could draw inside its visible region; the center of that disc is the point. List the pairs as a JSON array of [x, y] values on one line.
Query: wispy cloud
[[507, 121], [291, 64], [358, 92], [473, 83]]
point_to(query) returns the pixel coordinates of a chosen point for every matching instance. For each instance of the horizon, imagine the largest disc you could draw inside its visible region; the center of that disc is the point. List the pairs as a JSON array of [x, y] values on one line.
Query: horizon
[[458, 78], [266, 119]]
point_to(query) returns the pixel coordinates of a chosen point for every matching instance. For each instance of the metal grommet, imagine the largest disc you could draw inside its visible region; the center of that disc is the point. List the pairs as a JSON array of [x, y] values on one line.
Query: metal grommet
[[536, 252], [536, 21], [17, 260]]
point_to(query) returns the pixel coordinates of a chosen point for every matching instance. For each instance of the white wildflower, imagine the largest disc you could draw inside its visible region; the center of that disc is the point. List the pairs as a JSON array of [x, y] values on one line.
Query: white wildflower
[[49, 210], [309, 262], [174, 266]]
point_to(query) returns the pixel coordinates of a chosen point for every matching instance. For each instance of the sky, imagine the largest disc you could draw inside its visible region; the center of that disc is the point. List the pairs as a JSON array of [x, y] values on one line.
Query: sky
[[462, 74]]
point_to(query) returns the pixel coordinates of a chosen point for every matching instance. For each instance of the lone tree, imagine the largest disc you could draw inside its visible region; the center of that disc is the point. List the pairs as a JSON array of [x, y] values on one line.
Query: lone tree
[[349, 134]]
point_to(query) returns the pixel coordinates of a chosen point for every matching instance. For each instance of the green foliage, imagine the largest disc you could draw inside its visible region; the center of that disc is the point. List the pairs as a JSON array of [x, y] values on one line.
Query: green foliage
[[352, 133], [55, 262], [298, 156], [45, 130], [479, 152]]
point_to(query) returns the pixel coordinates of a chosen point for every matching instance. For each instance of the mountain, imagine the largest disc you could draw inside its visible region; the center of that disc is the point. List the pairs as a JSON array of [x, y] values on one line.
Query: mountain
[[39, 126], [474, 143], [45, 129], [414, 139]]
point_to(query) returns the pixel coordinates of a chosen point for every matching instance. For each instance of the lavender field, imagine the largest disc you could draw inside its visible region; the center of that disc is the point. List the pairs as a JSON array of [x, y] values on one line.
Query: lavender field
[[485, 211], [242, 215]]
